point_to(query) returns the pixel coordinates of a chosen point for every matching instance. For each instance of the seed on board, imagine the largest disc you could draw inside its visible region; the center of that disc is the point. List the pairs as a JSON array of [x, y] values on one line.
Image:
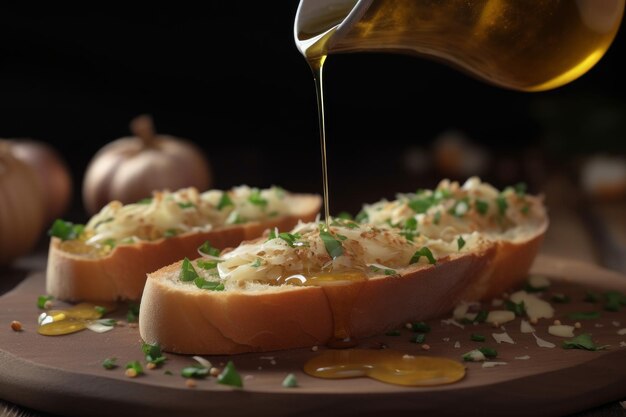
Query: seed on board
[[151, 365], [425, 347], [190, 383], [578, 325], [131, 373], [214, 371], [16, 326]]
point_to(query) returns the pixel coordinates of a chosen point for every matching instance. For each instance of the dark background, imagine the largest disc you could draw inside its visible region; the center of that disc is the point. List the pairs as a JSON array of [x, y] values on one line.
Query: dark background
[[231, 79]]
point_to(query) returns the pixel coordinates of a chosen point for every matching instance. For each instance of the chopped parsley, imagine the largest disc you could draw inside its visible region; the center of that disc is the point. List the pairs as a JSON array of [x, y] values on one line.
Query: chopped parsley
[[481, 206], [582, 341], [170, 233], [230, 376], [187, 271], [475, 337], [481, 316], [207, 249], [153, 353], [332, 245], [290, 238], [136, 366], [437, 218], [133, 313], [225, 201], [203, 284], [520, 189], [145, 201], [361, 217], [488, 352], [423, 252], [344, 215], [256, 199], [65, 230], [256, 263], [43, 299], [206, 265], [614, 300], [592, 297], [518, 308], [460, 242], [271, 235], [195, 371], [560, 298], [502, 205], [186, 205], [421, 205], [290, 381], [109, 363], [386, 271], [100, 310]]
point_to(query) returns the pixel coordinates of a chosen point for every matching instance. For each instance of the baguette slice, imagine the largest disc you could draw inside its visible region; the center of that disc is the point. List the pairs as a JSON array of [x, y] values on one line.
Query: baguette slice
[[121, 273], [185, 319]]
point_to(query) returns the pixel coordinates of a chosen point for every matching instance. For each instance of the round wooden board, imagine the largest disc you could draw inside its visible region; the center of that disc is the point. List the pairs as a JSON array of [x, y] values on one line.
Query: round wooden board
[[63, 375]]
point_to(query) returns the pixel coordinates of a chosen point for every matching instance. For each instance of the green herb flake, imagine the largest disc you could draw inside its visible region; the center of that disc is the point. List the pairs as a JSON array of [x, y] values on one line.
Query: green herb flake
[[256, 199], [481, 206], [108, 322], [410, 223], [186, 205], [518, 308], [145, 201], [187, 271], [153, 353], [290, 238], [361, 217], [584, 315], [225, 201], [560, 298], [437, 218], [488, 352], [332, 245], [136, 366], [100, 310], [207, 249], [481, 316], [424, 251], [230, 376], [475, 337], [195, 371], [420, 326], [109, 363], [344, 215], [65, 230], [614, 300], [170, 233], [206, 265], [256, 263], [502, 205], [421, 205], [460, 208], [394, 332], [42, 300], [203, 284], [111, 243], [520, 189], [525, 209], [460, 242], [418, 338], [290, 381], [133, 313], [582, 341]]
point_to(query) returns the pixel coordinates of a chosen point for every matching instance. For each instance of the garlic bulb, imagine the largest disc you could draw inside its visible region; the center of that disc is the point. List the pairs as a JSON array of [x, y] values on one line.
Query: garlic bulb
[[21, 206], [130, 168], [51, 171]]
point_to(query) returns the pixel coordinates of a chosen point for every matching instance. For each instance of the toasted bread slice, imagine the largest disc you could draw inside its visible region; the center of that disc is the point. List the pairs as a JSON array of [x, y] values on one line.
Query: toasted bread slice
[[88, 267], [259, 310]]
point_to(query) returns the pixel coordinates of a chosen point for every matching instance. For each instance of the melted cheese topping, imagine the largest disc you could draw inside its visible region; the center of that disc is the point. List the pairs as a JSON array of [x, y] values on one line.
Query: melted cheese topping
[[168, 214], [452, 210]]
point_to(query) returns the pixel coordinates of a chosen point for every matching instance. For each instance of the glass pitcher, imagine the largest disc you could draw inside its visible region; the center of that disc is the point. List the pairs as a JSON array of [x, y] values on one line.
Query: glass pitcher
[[528, 45]]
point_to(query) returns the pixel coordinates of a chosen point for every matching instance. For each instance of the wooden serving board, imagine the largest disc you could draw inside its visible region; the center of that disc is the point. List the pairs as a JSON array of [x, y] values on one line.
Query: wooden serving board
[[63, 375]]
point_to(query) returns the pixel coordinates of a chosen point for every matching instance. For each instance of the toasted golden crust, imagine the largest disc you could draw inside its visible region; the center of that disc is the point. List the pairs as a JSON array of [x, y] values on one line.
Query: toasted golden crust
[[184, 319], [121, 274]]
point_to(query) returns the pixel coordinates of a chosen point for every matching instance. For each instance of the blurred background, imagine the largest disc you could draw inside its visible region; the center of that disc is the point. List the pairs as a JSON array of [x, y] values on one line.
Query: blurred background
[[230, 79]]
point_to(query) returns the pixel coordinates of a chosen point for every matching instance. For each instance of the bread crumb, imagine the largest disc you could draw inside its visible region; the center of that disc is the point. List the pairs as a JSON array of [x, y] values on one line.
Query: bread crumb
[[407, 356], [131, 373], [425, 347], [557, 322], [578, 325], [248, 377], [457, 344], [48, 305], [534, 320], [190, 383], [616, 323], [260, 368], [273, 362], [408, 326], [151, 365], [215, 371], [446, 339], [598, 325], [622, 332], [314, 348], [16, 326]]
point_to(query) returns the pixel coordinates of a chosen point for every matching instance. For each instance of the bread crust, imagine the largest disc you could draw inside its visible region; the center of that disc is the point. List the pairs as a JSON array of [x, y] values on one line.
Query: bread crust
[[183, 319], [121, 274]]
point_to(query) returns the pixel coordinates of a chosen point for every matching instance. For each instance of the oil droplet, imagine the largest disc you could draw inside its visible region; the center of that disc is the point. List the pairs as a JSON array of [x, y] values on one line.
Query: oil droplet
[[62, 327], [388, 366]]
